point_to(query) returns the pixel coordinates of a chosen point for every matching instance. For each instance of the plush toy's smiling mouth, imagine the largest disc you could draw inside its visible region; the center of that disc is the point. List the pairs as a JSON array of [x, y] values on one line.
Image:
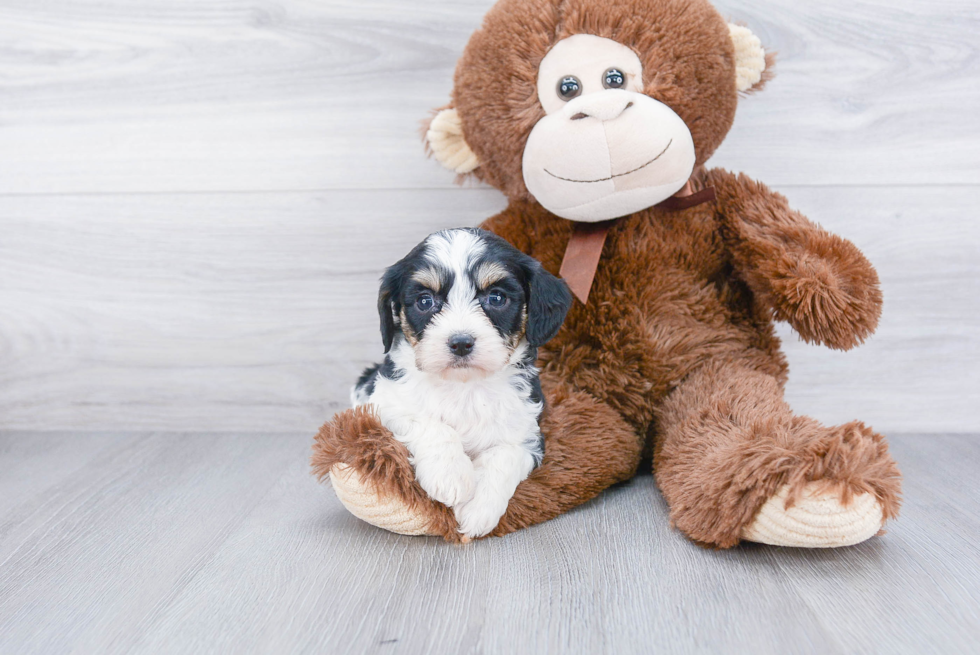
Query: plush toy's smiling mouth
[[606, 179]]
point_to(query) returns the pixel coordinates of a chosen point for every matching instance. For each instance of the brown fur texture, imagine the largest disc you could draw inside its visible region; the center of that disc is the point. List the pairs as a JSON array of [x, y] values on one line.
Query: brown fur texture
[[579, 433], [818, 282], [676, 348]]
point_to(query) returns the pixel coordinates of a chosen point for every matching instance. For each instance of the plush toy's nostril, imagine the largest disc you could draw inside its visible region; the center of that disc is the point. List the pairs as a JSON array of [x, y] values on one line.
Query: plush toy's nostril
[[461, 344], [605, 106]]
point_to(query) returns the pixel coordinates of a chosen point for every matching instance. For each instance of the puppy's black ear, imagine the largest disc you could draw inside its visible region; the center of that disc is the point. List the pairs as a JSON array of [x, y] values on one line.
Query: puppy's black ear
[[388, 304], [547, 305]]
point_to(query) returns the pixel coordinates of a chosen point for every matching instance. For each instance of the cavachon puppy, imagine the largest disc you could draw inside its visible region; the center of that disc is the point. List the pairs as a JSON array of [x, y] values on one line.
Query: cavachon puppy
[[462, 317]]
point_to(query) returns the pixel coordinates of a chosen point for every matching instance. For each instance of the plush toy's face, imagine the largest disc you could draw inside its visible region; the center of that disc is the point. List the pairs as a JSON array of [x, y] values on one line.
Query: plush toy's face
[[595, 108], [604, 149]]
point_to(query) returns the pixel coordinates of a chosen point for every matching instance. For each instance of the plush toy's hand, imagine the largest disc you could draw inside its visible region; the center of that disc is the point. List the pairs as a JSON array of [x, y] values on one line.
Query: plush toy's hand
[[831, 299], [818, 282]]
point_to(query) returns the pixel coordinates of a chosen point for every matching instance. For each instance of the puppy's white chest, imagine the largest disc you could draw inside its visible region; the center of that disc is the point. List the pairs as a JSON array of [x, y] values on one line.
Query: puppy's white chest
[[484, 413]]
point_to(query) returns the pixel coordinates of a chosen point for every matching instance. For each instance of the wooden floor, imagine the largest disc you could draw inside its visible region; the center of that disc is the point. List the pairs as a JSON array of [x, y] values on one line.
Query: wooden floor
[[194, 543]]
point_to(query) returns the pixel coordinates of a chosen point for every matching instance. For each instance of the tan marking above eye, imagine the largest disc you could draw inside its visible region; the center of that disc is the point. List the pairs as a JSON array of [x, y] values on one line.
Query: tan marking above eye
[[429, 278], [490, 273]]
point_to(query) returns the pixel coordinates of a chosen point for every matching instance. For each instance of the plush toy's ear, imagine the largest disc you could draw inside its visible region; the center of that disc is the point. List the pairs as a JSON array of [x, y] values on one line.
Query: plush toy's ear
[[445, 140], [752, 64]]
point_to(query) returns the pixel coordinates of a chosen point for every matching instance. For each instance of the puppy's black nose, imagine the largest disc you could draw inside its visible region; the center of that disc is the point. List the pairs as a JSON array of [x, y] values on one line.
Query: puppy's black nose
[[461, 344]]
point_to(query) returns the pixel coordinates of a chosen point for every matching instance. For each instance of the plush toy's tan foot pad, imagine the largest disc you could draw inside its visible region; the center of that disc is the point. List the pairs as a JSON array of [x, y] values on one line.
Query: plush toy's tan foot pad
[[817, 520], [365, 503]]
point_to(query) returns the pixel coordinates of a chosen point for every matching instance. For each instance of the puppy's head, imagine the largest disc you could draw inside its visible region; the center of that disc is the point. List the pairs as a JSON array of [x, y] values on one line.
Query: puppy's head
[[466, 301]]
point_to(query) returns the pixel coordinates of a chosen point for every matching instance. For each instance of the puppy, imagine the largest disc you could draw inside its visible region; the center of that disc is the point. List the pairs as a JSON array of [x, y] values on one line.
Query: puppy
[[462, 316]]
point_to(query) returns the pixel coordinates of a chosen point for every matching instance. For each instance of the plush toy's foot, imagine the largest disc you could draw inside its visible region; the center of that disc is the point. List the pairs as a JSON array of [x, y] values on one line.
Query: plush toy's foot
[[371, 474], [818, 519], [733, 462], [363, 501]]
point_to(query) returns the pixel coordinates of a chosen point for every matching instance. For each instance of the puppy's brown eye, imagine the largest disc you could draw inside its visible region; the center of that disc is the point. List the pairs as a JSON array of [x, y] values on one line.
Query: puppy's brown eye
[[425, 303], [614, 79], [496, 299], [569, 87]]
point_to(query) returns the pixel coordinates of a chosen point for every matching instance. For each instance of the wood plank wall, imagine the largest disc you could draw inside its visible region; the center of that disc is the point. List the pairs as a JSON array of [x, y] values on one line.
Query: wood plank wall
[[197, 198]]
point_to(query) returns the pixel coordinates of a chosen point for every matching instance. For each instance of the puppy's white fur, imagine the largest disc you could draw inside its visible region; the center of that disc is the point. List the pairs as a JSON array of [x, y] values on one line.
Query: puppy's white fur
[[468, 439], [471, 428]]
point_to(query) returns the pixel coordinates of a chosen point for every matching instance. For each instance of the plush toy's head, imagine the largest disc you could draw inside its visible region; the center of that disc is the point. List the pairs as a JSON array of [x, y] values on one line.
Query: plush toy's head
[[595, 108]]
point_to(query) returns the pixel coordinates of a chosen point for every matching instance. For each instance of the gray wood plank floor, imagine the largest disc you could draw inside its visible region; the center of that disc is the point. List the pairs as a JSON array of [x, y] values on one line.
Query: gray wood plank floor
[[190, 543]]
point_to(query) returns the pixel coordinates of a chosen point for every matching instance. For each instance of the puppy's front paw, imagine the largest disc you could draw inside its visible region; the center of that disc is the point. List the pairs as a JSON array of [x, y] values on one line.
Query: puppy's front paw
[[449, 479], [479, 515]]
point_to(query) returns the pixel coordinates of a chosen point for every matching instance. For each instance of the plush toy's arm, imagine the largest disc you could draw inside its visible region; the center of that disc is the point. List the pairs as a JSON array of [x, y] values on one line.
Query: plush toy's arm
[[818, 282]]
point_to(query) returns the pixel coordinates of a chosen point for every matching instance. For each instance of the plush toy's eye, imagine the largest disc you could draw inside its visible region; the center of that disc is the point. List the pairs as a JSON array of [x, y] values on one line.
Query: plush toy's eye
[[496, 299], [614, 79], [569, 87], [425, 302]]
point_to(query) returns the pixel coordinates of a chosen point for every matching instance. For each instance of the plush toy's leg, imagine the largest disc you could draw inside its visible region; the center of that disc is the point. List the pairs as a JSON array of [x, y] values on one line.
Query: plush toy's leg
[[371, 474], [588, 447], [733, 462]]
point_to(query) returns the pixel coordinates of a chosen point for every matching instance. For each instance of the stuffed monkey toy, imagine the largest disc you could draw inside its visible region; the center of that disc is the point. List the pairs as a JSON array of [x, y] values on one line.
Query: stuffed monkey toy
[[596, 118]]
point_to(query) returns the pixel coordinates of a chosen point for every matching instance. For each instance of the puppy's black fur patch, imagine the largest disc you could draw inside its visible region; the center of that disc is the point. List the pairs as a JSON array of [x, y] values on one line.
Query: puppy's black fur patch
[[369, 377]]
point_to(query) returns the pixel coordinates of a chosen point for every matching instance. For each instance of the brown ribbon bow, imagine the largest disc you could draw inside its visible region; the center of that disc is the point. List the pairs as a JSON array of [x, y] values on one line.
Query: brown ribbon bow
[[584, 249]]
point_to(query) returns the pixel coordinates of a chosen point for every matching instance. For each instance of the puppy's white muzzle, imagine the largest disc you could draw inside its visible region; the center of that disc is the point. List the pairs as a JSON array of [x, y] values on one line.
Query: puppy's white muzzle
[[479, 349]]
